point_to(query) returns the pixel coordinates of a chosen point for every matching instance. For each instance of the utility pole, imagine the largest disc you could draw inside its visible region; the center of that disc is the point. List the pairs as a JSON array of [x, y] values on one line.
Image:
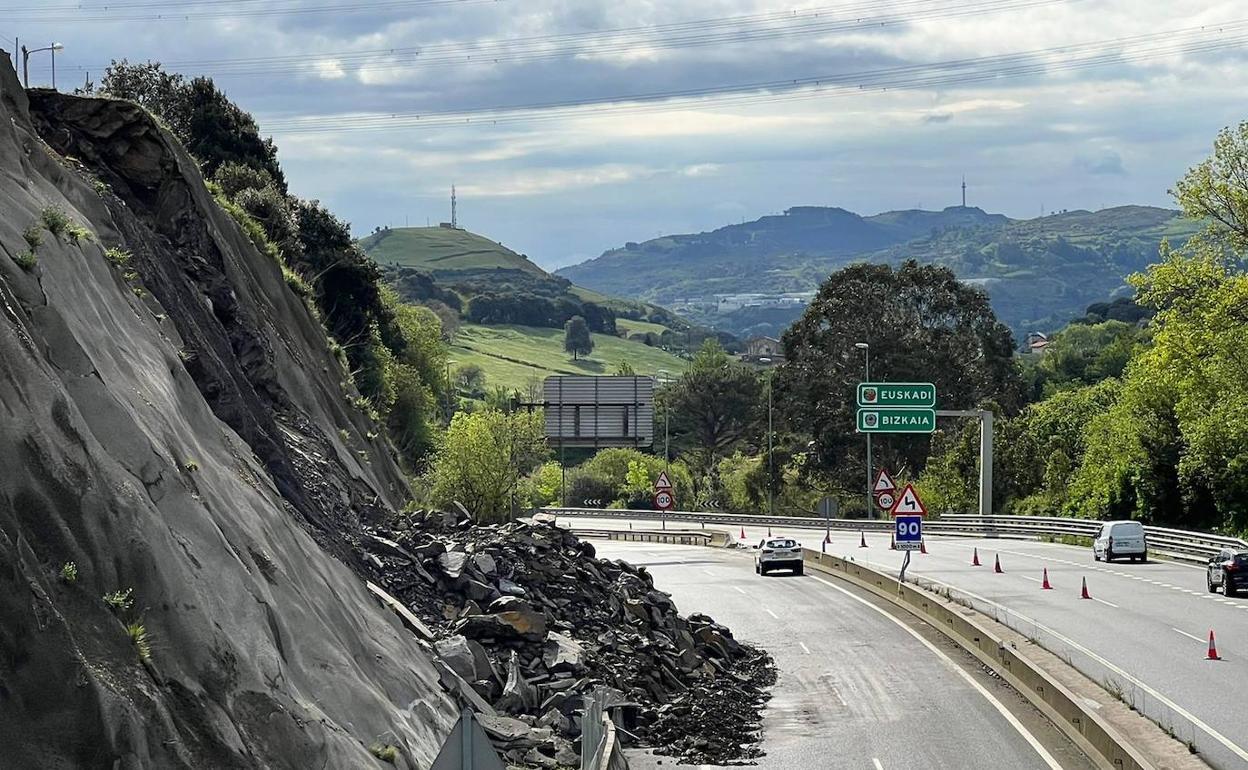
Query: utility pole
[[963, 191], [771, 466], [454, 209]]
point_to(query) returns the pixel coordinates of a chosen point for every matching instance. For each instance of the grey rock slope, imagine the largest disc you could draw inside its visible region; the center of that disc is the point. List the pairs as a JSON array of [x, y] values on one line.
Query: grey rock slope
[[172, 428]]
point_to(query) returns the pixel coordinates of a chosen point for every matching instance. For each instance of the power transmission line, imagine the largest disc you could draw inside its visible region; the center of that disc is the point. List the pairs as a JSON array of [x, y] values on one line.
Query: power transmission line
[[706, 32], [1150, 46], [81, 14]]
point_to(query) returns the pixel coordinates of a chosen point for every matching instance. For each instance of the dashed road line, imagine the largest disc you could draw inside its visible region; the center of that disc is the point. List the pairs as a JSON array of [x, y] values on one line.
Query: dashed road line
[[1189, 636], [876, 763], [970, 680], [772, 614], [805, 649], [1157, 696]]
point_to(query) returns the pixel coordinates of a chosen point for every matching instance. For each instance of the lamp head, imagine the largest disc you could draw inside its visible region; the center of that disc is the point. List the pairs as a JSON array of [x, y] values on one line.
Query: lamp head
[[58, 47], [862, 345]]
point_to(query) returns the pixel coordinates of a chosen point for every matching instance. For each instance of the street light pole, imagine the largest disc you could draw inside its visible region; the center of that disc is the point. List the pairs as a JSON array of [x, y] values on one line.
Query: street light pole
[[866, 349], [771, 469], [26, 62], [771, 472]]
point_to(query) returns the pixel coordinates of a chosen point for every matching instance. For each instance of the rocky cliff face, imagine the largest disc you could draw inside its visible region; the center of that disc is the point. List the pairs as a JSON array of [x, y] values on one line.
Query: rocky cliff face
[[174, 429]]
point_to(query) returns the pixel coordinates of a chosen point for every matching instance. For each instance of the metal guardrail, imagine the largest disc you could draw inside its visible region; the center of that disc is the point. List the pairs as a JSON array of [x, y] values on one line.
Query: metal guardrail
[[600, 745], [1178, 543]]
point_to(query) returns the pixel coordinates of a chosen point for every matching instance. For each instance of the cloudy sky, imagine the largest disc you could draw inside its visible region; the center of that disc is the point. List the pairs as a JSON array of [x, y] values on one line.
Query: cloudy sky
[[572, 126]]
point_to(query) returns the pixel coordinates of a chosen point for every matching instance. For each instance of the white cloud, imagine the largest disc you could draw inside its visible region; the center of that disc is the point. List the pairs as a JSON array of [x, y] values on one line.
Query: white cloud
[[1059, 138]]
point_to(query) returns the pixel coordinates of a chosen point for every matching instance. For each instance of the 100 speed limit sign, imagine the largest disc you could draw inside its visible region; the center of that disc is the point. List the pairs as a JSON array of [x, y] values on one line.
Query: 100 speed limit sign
[[885, 500], [663, 500]]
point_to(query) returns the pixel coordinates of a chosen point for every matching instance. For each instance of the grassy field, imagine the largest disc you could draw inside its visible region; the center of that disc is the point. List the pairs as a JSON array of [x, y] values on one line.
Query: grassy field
[[441, 248], [639, 327], [512, 355]]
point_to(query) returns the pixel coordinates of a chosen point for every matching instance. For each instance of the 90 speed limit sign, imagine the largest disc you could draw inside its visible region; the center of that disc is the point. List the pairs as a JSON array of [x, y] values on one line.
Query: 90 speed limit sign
[[663, 500]]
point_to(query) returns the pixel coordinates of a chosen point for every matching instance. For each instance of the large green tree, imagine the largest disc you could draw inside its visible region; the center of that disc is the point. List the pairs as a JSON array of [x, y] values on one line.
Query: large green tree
[[714, 406], [1085, 354], [921, 325], [483, 458], [576, 337]]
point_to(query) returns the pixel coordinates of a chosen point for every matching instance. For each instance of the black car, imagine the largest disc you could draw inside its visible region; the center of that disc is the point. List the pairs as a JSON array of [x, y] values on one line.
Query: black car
[[1228, 571]]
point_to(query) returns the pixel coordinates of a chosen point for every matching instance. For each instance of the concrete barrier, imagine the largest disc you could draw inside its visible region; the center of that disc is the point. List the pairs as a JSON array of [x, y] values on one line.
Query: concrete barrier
[[1053, 693]]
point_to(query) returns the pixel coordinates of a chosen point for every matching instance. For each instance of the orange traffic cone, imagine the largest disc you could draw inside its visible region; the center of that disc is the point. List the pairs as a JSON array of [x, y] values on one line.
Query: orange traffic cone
[[863, 542], [743, 533], [1213, 648], [1083, 592], [922, 546], [1045, 585], [996, 567], [827, 538], [975, 558]]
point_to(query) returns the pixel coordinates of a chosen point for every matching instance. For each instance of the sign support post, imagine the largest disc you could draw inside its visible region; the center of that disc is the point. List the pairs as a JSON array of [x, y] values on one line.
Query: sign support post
[[985, 452], [663, 497], [908, 513]]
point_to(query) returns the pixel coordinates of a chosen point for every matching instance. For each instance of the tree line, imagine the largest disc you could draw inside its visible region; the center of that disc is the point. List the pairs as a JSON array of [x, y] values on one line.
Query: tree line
[[1148, 419]]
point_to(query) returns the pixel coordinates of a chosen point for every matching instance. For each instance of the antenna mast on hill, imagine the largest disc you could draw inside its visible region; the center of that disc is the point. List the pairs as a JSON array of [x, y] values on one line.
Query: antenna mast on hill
[[964, 191], [454, 209]]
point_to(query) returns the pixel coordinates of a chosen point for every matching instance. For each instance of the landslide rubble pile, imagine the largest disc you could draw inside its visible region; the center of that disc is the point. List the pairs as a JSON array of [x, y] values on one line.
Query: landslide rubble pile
[[528, 621]]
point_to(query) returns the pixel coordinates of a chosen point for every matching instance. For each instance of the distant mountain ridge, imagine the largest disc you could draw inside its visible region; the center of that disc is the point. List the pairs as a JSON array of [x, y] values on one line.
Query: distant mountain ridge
[[1039, 272]]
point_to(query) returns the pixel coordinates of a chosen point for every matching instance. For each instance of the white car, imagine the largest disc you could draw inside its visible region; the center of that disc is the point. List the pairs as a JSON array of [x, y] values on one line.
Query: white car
[[778, 553], [1118, 539]]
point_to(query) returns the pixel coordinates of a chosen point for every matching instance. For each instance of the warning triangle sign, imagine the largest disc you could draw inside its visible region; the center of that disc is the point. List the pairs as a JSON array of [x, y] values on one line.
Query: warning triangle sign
[[883, 483], [663, 482], [908, 503]]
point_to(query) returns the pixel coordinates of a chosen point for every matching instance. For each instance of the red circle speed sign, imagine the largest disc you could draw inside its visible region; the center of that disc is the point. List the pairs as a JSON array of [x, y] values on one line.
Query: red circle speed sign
[[663, 500]]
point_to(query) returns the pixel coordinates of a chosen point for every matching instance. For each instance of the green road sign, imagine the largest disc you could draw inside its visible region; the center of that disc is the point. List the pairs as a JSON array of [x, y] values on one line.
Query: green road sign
[[922, 394], [896, 420]]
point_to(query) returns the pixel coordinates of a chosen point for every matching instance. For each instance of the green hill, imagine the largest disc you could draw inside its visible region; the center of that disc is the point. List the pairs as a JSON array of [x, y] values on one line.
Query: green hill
[[443, 249], [512, 355], [1039, 272], [513, 311]]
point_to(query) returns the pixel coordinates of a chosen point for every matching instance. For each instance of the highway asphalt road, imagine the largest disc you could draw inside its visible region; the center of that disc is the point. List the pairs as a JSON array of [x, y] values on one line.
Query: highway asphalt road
[[861, 684], [1145, 632]]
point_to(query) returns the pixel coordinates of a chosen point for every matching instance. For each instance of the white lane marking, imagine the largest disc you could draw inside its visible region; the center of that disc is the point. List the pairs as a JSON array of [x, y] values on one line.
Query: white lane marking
[[738, 589], [1006, 713], [1107, 604], [1034, 580], [877, 764], [1189, 636], [805, 649], [1176, 708], [708, 572], [769, 612]]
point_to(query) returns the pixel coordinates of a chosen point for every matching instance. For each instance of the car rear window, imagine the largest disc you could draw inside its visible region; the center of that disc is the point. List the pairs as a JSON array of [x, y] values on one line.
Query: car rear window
[[1241, 559], [782, 544], [1128, 529]]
